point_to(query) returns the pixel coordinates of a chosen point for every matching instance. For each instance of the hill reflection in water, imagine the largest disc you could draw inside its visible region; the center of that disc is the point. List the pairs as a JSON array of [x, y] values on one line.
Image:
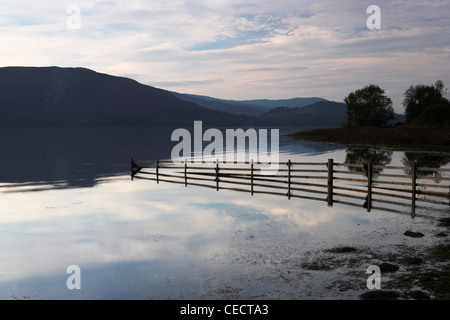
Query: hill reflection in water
[[142, 240], [78, 157]]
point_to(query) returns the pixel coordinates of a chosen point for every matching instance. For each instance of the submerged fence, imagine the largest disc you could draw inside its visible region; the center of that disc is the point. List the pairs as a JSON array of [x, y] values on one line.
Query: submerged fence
[[388, 188]]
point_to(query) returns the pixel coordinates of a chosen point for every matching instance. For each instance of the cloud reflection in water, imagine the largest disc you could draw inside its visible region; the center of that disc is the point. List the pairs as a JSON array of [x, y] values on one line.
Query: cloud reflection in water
[[142, 240]]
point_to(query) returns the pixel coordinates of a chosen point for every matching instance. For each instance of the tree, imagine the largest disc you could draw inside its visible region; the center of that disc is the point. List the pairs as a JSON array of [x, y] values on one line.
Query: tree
[[368, 107], [419, 97], [436, 115]]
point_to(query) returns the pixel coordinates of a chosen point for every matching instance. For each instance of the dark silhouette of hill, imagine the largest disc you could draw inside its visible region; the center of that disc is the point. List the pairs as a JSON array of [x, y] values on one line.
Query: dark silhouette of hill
[[323, 113], [53, 96], [269, 104], [247, 107], [231, 106]]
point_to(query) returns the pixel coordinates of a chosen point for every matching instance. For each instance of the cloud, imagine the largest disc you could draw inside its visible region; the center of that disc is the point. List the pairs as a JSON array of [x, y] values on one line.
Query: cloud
[[189, 83], [189, 45]]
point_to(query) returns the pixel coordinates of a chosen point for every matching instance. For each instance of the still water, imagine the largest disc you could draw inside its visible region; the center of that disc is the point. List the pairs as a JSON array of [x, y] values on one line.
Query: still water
[[66, 198]]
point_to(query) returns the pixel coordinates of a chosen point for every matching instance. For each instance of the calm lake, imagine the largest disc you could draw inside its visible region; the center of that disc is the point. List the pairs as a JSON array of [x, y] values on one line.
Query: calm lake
[[66, 198]]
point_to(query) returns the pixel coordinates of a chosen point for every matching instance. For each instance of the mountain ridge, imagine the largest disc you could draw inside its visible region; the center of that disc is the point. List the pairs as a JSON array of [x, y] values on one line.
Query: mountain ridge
[[231, 106], [57, 96], [316, 114], [54, 96], [248, 107]]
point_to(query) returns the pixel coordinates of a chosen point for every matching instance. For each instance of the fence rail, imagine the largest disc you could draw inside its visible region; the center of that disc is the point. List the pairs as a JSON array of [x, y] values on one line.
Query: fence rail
[[388, 188]]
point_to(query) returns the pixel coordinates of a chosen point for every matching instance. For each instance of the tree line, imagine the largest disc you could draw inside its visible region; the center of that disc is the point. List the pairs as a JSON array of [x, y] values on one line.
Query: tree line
[[423, 104]]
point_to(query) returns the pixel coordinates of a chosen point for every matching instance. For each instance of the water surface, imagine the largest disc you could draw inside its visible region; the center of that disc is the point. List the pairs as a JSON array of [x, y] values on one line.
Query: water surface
[[67, 199]]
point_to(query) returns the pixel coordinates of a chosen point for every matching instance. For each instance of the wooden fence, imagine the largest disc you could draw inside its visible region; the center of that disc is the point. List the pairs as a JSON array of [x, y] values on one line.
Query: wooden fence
[[388, 188]]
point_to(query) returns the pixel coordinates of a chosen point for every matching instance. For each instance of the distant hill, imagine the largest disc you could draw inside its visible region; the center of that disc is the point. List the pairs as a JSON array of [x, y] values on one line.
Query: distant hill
[[53, 96], [267, 104], [319, 114], [323, 113], [246, 107], [231, 106]]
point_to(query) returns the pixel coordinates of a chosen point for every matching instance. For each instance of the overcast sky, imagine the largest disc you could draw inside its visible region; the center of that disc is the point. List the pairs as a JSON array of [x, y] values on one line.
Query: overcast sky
[[237, 49]]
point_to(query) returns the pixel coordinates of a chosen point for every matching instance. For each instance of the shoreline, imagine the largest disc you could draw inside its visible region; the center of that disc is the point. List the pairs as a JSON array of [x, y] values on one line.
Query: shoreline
[[400, 138]]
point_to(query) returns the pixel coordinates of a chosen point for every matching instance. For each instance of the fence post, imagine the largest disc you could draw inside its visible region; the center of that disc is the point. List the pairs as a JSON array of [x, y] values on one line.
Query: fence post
[[217, 175], [369, 186], [251, 176], [413, 198], [157, 170], [185, 173], [330, 182], [289, 179], [131, 170]]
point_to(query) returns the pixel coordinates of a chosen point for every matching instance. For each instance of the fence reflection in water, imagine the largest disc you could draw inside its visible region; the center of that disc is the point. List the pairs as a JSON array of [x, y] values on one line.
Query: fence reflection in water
[[387, 188]]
